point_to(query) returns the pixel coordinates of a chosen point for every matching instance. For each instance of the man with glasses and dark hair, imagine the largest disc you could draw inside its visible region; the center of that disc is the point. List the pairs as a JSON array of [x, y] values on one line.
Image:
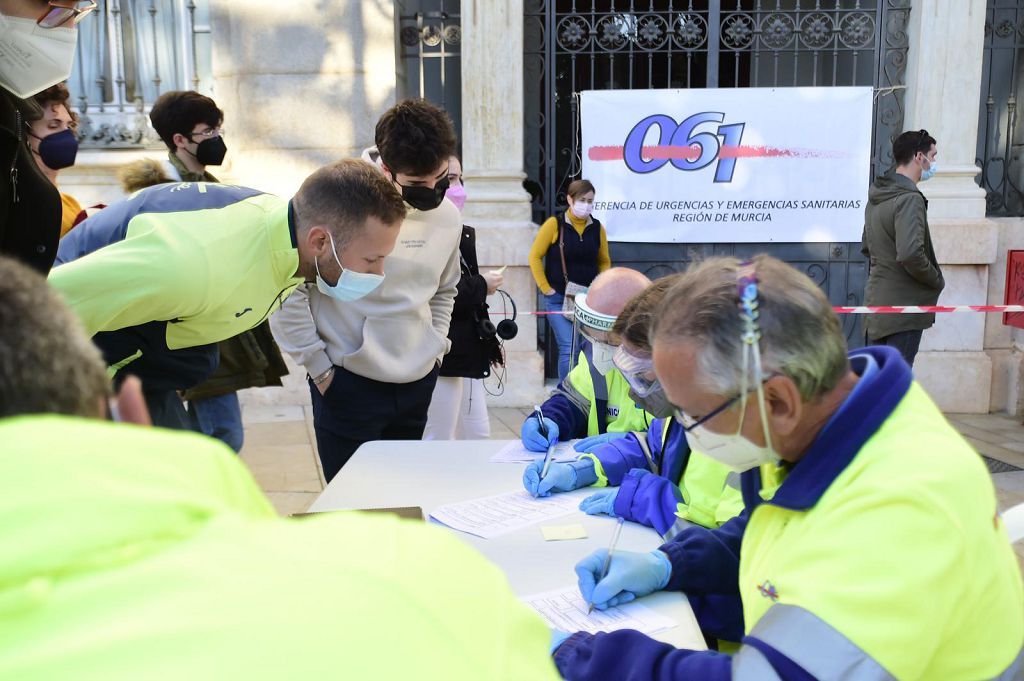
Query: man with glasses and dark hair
[[37, 49], [593, 401], [190, 125], [903, 267], [879, 556]]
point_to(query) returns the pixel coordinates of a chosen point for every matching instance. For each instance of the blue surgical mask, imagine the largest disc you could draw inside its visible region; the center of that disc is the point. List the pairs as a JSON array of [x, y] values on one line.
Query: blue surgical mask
[[351, 285], [927, 174]]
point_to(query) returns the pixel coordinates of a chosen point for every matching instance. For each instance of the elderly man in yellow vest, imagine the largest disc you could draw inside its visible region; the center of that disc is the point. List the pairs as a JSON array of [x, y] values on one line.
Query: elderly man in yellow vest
[[142, 553], [880, 556]]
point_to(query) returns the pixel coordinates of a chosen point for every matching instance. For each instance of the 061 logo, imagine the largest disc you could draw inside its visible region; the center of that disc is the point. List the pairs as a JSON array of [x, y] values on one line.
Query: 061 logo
[[693, 144]]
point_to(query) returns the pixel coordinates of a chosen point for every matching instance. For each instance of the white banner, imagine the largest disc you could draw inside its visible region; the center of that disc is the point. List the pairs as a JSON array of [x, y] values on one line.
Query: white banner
[[730, 164]]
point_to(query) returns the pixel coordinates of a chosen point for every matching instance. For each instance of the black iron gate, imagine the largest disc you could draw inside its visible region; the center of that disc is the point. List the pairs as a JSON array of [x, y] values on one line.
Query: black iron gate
[[1000, 133], [429, 47], [576, 45]]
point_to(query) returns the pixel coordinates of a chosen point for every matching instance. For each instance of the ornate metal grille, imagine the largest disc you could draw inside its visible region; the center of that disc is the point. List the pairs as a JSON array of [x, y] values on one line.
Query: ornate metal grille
[[576, 45], [1000, 134], [430, 40], [130, 52]]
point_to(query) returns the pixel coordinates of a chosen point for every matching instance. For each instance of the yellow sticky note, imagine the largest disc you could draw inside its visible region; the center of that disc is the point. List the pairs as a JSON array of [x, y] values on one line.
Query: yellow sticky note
[[562, 532]]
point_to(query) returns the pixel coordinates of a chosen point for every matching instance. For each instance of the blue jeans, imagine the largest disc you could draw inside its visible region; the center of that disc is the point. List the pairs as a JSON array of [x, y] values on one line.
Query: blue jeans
[[219, 417], [561, 327]]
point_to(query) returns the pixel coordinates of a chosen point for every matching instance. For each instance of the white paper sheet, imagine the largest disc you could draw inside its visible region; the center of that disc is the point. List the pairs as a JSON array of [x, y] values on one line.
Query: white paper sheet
[[503, 513], [565, 610], [515, 452]]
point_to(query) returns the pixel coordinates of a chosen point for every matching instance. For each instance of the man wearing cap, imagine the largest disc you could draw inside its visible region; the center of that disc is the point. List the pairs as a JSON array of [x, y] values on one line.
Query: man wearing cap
[[593, 401]]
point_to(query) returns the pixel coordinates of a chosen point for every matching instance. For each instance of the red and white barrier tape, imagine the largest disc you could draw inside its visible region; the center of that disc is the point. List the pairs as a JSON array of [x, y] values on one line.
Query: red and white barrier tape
[[920, 309], [880, 309]]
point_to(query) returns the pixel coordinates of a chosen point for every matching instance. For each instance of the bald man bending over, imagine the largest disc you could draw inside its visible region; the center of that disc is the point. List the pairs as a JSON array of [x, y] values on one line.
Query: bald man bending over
[[593, 401]]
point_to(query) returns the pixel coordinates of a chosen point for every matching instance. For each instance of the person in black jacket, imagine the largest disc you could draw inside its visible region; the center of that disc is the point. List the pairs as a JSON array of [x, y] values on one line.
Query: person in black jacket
[[30, 206], [457, 409]]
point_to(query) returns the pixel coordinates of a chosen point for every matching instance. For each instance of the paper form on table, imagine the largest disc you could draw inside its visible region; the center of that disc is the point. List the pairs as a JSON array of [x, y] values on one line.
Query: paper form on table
[[515, 452], [503, 513], [565, 610]]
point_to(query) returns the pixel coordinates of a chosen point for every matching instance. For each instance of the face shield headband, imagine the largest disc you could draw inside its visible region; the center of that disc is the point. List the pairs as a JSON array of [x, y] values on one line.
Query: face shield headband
[[592, 325]]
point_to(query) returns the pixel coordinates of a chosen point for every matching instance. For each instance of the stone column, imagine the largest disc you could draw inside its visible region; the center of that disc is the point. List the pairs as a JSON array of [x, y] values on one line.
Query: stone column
[[943, 90], [301, 83], [492, 161]]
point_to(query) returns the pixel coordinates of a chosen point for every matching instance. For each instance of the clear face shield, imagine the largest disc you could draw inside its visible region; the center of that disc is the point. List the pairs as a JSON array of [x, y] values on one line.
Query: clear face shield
[[592, 327]]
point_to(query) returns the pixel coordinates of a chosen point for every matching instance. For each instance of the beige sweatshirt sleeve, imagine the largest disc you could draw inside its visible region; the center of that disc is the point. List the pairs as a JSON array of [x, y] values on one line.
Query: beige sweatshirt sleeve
[[444, 300], [295, 331]]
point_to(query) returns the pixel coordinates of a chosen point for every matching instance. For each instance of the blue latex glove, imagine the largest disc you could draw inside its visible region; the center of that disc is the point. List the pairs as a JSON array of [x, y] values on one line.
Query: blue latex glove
[[601, 502], [630, 576], [558, 638], [532, 438], [589, 444], [561, 477]]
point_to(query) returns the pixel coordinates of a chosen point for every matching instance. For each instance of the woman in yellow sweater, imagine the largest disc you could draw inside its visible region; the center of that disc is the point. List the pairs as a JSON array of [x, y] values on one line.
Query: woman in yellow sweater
[[568, 252]]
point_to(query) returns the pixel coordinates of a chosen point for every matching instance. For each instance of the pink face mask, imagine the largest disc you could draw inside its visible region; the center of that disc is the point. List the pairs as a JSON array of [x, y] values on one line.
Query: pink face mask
[[582, 209], [457, 195]]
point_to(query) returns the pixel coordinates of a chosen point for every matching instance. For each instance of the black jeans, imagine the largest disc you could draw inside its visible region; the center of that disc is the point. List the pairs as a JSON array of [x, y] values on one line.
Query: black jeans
[[907, 342], [355, 410]]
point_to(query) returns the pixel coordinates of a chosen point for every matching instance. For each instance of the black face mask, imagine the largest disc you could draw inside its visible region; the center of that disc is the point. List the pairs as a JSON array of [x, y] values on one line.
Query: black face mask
[[211, 152], [423, 198], [655, 404]]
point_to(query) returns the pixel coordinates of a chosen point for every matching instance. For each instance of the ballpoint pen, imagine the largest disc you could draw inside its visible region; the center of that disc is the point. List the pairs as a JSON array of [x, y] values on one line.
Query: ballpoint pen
[[607, 560], [544, 431]]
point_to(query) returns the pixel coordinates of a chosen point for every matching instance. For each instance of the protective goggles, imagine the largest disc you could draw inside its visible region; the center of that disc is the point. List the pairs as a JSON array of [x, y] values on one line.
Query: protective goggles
[[61, 12], [635, 370]]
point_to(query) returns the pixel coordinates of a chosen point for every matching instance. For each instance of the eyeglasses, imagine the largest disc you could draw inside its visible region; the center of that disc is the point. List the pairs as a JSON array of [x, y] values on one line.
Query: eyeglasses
[[61, 12], [208, 134], [689, 423]]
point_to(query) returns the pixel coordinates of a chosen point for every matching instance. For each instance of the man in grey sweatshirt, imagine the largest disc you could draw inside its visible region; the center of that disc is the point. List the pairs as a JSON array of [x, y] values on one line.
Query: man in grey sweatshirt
[[372, 363]]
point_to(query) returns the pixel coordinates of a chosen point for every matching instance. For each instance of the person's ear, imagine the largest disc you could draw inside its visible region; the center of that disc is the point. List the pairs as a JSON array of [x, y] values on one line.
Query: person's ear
[[180, 140], [784, 404], [319, 240]]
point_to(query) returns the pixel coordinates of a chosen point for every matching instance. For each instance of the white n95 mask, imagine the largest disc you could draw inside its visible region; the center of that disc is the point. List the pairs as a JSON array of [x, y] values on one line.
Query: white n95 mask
[[33, 58], [602, 356], [732, 451]]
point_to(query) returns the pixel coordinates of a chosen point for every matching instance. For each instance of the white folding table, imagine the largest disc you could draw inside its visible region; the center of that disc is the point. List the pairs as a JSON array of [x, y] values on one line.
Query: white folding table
[[429, 474]]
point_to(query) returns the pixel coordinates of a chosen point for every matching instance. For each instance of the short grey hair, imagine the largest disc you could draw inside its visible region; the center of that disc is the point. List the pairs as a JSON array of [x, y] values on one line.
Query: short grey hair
[[801, 334], [47, 363]]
